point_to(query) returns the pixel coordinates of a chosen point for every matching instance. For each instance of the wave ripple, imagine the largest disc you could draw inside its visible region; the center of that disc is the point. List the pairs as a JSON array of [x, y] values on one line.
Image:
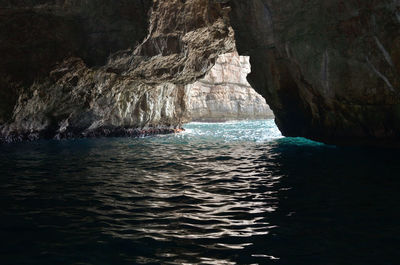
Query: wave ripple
[[233, 193]]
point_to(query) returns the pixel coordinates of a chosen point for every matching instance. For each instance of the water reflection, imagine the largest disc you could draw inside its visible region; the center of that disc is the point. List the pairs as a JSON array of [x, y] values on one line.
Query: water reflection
[[190, 199], [210, 205], [176, 208], [336, 205]]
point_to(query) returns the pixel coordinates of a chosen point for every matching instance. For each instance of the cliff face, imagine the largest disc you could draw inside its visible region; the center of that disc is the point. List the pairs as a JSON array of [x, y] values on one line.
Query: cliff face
[[329, 69], [37, 34], [76, 89], [224, 93], [76, 101]]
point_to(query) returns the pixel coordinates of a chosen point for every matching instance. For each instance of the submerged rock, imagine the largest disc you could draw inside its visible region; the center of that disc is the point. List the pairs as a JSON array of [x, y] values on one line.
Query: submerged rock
[[224, 93]]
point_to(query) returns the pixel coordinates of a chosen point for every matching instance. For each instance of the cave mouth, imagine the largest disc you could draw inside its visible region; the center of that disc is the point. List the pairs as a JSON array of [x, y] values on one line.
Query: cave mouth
[[218, 193], [224, 94], [222, 105]]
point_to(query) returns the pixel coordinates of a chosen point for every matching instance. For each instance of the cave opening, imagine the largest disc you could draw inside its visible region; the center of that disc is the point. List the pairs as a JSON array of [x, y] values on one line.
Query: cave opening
[[224, 94], [224, 105], [83, 83]]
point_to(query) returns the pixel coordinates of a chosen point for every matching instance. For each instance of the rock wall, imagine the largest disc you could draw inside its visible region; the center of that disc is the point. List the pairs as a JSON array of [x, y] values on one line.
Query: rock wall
[[74, 70], [37, 34], [329, 69], [77, 101], [224, 93]]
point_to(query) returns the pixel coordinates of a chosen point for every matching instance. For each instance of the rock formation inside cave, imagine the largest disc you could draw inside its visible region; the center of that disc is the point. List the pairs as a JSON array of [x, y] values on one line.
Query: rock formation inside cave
[[58, 86], [330, 70]]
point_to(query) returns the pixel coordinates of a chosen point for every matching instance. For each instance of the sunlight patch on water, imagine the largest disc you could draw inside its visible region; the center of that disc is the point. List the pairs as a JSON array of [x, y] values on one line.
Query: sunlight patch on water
[[255, 131], [219, 193]]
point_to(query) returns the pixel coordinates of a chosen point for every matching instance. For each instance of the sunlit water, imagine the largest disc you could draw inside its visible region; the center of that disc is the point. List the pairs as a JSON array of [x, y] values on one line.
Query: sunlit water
[[234, 193]]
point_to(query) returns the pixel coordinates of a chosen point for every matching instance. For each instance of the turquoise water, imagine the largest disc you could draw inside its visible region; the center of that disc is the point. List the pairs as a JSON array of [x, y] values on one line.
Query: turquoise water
[[225, 193]]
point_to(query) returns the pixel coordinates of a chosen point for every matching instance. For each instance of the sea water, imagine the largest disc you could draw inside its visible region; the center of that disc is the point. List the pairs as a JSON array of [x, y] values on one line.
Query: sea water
[[218, 193]]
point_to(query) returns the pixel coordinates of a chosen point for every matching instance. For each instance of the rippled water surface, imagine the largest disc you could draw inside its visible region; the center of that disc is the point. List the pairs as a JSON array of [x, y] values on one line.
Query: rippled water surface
[[233, 193]]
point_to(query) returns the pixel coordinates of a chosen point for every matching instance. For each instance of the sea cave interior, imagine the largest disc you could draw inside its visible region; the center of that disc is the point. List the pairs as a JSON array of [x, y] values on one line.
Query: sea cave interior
[[199, 132]]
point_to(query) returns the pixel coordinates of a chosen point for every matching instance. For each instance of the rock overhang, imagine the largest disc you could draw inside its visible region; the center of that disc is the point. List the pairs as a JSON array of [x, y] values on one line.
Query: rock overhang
[[329, 70]]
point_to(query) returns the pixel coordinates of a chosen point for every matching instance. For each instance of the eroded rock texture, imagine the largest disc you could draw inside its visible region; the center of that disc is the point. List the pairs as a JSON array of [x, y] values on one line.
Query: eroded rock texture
[[224, 93], [63, 83], [329, 69], [37, 34]]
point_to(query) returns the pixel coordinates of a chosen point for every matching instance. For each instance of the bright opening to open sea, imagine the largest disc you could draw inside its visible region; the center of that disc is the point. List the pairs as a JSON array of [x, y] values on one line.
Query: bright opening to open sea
[[223, 193]]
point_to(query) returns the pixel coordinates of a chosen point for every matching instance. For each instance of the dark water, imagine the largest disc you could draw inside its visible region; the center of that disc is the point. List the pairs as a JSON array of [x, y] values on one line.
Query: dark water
[[218, 194]]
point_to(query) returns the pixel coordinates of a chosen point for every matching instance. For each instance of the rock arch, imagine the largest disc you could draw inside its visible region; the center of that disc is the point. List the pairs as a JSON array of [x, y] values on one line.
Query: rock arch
[[328, 69]]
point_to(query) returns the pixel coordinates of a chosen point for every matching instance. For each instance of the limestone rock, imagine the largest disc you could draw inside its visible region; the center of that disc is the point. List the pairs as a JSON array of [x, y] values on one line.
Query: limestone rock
[[77, 90], [38, 34], [224, 93], [329, 69], [84, 102]]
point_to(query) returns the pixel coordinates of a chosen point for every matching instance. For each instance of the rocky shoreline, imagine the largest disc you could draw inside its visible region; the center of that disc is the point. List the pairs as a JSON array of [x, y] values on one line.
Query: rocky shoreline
[[98, 133]]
